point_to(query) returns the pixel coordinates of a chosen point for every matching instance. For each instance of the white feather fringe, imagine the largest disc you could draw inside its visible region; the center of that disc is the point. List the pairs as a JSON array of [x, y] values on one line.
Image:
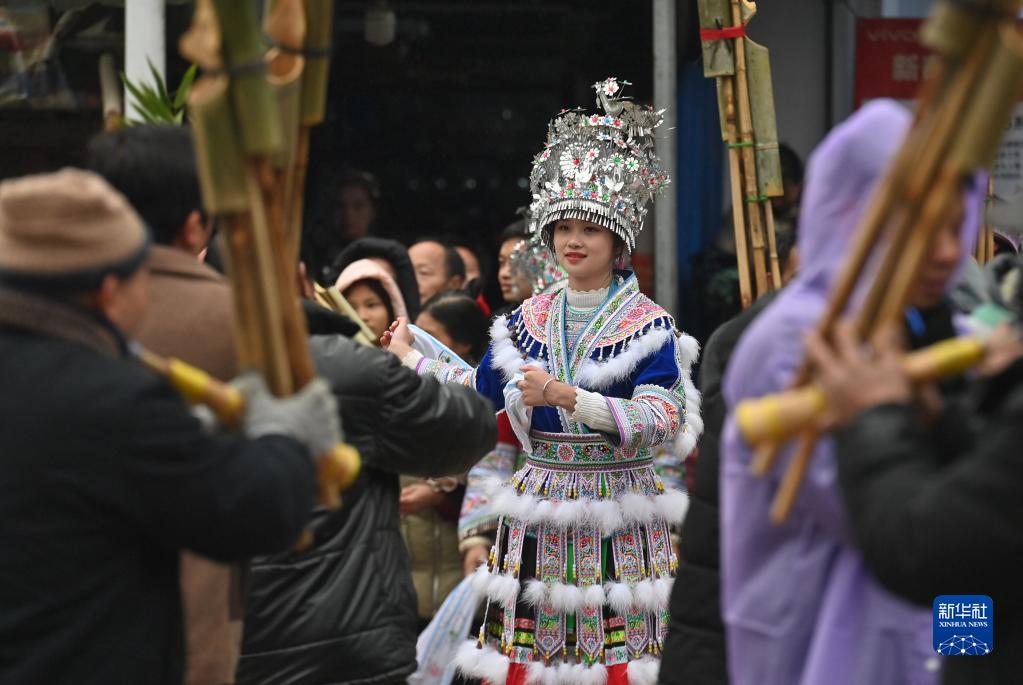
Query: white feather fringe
[[672, 505], [643, 595], [644, 671], [619, 597], [594, 596], [649, 594], [503, 588], [566, 598], [595, 375], [535, 592], [481, 581], [486, 663], [534, 673], [638, 508], [662, 588], [607, 514]]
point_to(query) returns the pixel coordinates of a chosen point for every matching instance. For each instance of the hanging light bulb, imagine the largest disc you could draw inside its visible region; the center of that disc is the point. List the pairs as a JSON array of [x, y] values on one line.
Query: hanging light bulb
[[380, 23]]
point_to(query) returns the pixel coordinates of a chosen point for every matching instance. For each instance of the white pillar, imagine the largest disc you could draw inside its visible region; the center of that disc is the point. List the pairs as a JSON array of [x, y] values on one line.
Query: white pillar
[[666, 97], [144, 39]]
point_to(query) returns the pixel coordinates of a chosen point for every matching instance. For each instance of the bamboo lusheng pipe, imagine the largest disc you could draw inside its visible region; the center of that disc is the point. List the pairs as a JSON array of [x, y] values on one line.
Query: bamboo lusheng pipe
[[931, 125], [319, 31], [749, 162], [932, 191], [110, 93], [271, 329], [336, 301], [197, 386], [780, 416], [727, 86]]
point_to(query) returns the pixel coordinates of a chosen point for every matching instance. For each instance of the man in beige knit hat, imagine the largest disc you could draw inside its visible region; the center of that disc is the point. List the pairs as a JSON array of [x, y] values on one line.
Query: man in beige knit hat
[[191, 317], [104, 474]]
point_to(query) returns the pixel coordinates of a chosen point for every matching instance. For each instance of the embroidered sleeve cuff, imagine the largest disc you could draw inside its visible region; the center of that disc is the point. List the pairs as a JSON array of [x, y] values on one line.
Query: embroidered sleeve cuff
[[412, 359], [591, 408]]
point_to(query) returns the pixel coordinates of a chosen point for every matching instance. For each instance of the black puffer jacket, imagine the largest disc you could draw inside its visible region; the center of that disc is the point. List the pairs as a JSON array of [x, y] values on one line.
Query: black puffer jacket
[[345, 612], [695, 652], [938, 511]]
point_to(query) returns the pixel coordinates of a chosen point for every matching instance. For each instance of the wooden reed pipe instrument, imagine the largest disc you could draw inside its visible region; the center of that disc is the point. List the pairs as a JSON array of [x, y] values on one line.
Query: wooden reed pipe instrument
[[976, 103], [742, 70], [776, 418], [241, 151], [197, 386], [940, 107]]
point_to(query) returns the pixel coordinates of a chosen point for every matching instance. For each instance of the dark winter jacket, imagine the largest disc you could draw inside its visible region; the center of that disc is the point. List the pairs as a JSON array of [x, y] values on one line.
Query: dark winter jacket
[[345, 612], [695, 650], [105, 476], [939, 511]]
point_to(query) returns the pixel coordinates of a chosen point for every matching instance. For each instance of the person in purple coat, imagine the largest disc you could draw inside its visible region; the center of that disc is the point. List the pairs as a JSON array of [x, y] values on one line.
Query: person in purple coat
[[800, 606]]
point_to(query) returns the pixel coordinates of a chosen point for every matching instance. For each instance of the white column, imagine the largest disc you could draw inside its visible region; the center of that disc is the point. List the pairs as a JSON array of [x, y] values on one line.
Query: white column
[[144, 39], [666, 97]]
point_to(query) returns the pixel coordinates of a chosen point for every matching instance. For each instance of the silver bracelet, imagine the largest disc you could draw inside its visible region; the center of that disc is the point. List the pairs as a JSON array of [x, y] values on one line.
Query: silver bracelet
[[543, 393]]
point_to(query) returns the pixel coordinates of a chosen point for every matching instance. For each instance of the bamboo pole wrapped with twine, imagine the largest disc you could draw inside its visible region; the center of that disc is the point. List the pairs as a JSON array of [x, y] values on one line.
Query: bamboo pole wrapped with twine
[[746, 105], [243, 158], [964, 106]]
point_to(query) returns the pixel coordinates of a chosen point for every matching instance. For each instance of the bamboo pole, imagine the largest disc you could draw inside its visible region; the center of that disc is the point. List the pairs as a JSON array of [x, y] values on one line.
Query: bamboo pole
[[727, 86], [313, 106], [931, 124], [198, 387], [749, 162], [336, 301], [772, 246], [933, 189], [238, 133], [780, 416]]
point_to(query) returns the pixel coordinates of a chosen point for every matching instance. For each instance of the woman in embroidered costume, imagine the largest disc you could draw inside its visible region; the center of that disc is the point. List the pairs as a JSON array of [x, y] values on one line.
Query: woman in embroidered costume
[[592, 376]]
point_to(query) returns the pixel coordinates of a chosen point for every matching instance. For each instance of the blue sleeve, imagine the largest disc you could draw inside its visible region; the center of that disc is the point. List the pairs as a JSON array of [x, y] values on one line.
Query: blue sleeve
[[484, 378], [655, 411]]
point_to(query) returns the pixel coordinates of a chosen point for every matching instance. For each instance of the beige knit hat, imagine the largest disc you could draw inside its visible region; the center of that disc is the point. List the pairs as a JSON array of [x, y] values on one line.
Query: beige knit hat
[[68, 227]]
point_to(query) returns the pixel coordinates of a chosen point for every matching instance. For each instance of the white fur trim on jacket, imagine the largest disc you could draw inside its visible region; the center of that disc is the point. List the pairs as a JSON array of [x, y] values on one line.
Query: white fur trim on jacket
[[486, 663], [602, 375], [608, 515], [689, 434], [506, 356]]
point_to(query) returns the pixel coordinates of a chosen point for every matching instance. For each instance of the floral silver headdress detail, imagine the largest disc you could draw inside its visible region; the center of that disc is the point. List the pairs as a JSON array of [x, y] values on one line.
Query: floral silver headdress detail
[[534, 259], [599, 167]]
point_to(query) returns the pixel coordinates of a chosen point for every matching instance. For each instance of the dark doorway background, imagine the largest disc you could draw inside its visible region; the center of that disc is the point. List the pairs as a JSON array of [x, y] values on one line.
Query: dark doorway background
[[450, 114]]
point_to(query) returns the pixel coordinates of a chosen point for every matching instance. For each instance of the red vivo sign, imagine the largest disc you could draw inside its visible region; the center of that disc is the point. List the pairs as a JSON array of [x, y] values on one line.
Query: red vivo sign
[[890, 61]]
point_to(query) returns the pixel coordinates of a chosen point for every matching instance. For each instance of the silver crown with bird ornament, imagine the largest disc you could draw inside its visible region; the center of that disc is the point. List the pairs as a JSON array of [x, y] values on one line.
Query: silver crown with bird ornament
[[599, 168]]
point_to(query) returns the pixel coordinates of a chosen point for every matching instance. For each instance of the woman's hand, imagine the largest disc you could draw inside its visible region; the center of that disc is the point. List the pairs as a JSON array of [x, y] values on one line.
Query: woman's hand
[[854, 380], [558, 394], [1004, 347], [398, 339], [418, 497], [474, 557]]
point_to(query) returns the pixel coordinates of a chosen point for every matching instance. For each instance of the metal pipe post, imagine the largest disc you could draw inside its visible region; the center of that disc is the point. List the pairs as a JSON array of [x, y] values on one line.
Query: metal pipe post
[[665, 210], [144, 43]]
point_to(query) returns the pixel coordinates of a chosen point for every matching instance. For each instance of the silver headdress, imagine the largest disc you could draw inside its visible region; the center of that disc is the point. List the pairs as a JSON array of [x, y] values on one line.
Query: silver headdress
[[532, 258], [599, 167]]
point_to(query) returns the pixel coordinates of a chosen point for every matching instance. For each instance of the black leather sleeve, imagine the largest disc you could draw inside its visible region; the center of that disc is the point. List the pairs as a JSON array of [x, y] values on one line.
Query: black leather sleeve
[[399, 421]]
